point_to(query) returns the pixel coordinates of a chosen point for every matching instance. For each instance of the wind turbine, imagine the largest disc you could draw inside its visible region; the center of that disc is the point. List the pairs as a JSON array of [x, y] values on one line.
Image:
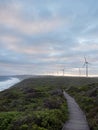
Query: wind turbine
[[79, 72], [86, 66], [63, 71]]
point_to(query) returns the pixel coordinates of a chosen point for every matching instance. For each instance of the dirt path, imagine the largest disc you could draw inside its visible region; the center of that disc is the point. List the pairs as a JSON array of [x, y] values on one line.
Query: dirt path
[[77, 119]]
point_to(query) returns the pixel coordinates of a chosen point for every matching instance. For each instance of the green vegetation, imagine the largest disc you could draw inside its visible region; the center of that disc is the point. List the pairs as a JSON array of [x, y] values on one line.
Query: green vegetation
[[87, 97], [38, 103], [33, 104]]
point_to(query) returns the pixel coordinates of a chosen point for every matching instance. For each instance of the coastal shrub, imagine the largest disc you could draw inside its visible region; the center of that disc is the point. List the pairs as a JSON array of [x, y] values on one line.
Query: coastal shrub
[[49, 119], [24, 127], [6, 119], [36, 127], [33, 104], [52, 103]]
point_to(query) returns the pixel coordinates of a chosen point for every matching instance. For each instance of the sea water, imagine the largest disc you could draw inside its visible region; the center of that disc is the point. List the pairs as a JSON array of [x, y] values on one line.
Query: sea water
[[6, 82]]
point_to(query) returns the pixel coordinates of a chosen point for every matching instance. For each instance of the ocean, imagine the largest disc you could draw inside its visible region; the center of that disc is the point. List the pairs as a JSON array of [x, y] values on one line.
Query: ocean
[[8, 81]]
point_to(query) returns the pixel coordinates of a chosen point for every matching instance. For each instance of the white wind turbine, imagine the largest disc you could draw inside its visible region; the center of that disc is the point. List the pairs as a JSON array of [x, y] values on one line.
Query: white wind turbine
[[63, 71], [86, 63]]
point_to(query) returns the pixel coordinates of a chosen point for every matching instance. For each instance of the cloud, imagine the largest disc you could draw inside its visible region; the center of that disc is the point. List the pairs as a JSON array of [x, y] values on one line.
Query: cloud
[[47, 35], [11, 17]]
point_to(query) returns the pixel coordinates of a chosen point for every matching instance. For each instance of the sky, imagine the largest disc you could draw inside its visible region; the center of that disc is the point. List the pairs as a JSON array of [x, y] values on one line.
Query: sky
[[47, 36]]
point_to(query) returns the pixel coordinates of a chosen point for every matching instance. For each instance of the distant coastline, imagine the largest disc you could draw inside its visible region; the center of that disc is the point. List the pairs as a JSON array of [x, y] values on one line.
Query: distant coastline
[[8, 82]]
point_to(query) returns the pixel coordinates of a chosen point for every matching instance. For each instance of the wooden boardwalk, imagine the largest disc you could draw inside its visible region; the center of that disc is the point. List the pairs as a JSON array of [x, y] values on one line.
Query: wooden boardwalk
[[77, 119]]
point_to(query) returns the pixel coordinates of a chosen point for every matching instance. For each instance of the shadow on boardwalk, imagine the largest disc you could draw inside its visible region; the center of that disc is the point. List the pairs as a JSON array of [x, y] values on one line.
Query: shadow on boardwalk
[[77, 119]]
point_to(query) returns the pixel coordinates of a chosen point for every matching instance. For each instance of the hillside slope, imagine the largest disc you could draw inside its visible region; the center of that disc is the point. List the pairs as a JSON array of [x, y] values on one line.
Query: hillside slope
[[38, 103], [35, 103]]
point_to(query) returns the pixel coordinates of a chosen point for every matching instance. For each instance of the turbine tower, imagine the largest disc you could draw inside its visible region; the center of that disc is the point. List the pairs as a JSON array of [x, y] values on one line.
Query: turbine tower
[[79, 72], [86, 66], [63, 71]]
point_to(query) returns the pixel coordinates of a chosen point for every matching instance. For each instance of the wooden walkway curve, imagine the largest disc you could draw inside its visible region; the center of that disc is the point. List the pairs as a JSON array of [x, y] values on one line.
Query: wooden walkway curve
[[77, 119]]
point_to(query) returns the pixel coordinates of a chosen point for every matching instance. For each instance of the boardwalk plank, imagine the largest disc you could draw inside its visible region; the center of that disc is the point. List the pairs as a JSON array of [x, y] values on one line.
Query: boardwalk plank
[[77, 119]]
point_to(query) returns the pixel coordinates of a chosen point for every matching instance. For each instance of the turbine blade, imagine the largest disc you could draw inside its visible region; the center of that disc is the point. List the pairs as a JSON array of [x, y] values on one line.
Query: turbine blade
[[85, 59], [83, 65]]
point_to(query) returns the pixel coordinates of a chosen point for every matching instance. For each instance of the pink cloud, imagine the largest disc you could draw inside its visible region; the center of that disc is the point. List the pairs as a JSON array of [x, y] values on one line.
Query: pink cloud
[[11, 17]]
